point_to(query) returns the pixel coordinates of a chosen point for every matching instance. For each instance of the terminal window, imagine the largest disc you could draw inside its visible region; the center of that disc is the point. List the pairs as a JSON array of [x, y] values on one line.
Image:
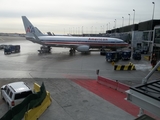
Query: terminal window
[[157, 36]]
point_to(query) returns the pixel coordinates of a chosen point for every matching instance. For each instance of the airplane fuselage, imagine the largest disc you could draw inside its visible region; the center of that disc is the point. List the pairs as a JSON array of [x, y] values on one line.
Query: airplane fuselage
[[92, 42]]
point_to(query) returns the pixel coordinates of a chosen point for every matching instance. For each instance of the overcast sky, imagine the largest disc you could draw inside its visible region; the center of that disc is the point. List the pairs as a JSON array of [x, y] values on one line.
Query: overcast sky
[[74, 16]]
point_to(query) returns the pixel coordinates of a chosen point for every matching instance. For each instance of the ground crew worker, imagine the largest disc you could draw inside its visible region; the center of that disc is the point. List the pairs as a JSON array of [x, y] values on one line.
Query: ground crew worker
[[154, 60]]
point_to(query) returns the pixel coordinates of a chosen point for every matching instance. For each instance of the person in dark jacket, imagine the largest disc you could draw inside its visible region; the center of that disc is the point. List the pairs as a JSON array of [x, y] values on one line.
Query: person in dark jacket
[[154, 60]]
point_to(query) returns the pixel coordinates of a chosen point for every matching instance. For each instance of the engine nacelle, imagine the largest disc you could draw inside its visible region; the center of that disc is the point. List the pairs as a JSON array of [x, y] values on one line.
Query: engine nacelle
[[83, 48]]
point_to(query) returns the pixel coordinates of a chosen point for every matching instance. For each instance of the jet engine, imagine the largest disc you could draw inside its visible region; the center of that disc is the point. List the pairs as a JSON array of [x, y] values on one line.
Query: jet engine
[[83, 48]]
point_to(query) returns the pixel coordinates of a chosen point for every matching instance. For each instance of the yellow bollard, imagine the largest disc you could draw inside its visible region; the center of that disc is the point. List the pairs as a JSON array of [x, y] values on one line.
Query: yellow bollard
[[113, 63]]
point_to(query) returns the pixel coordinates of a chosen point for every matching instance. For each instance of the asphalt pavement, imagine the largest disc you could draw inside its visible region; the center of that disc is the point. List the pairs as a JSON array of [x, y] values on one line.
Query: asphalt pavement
[[69, 100]]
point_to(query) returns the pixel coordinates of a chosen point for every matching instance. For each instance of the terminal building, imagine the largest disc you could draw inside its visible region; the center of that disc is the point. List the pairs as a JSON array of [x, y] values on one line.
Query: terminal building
[[144, 34]]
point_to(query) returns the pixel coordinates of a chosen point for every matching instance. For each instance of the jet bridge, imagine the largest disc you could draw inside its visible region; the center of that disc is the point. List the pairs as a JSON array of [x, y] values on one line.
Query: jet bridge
[[146, 95]]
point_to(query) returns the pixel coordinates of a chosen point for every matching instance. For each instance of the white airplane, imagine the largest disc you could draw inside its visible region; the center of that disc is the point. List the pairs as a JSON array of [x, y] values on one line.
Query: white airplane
[[81, 44]]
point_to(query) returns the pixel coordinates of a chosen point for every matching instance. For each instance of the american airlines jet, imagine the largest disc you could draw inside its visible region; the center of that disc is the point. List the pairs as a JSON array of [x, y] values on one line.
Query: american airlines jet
[[81, 44]]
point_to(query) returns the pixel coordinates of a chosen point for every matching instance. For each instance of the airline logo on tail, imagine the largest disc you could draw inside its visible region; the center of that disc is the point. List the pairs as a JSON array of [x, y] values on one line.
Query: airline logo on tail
[[30, 29]]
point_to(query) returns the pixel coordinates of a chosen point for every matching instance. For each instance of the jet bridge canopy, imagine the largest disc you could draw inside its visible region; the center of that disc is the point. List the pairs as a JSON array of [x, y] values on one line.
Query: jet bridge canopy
[[146, 96]]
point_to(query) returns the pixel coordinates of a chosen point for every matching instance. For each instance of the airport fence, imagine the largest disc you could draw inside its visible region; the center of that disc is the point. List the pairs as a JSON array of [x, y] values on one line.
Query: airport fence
[[113, 84]]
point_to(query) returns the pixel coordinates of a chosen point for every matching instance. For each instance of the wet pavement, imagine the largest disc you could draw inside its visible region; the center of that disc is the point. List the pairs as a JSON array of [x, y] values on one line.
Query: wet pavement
[[70, 101]]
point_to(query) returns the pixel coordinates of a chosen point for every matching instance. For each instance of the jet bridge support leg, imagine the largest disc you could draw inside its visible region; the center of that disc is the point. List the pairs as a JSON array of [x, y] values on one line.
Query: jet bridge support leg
[[146, 95], [141, 112]]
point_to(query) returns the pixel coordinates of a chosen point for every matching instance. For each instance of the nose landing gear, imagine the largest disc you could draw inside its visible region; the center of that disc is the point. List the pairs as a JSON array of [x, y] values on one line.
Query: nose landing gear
[[45, 49]]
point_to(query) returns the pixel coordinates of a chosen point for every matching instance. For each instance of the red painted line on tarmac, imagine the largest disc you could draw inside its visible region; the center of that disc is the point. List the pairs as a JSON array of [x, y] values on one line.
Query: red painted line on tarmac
[[111, 95]]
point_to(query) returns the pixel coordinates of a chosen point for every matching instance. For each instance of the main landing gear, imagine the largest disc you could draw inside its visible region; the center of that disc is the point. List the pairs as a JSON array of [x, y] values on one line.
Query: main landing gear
[[72, 51], [45, 49]]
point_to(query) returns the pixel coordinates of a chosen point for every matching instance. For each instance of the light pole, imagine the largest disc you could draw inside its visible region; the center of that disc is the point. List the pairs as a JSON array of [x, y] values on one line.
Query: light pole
[[91, 30], [129, 19], [122, 21], [151, 29], [109, 25], [133, 15], [115, 23], [133, 35], [73, 30], [153, 14], [101, 29]]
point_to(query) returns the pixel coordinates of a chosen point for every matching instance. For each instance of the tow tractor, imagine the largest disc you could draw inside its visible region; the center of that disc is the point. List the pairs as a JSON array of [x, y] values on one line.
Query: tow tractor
[[45, 49]]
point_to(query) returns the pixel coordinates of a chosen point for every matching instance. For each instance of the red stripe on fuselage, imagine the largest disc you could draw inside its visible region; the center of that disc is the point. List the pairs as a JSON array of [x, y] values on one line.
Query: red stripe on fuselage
[[85, 43]]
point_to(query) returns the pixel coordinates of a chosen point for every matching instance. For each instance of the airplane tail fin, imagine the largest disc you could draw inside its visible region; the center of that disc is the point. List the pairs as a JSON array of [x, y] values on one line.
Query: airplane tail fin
[[30, 29], [38, 32]]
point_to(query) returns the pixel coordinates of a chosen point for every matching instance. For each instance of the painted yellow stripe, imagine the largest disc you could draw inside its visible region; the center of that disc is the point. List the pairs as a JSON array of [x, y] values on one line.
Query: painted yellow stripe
[[118, 67], [126, 67]]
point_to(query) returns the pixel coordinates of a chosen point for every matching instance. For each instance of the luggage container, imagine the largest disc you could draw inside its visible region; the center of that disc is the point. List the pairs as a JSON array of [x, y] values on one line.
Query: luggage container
[[11, 49], [113, 56], [136, 55], [126, 54]]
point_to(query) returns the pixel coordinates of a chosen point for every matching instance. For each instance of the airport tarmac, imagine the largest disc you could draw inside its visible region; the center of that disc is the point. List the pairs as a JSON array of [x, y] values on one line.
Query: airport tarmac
[[70, 101]]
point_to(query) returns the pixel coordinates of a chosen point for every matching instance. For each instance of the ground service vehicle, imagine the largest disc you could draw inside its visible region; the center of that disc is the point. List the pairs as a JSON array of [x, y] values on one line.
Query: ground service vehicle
[[126, 54], [11, 49], [14, 93], [113, 56], [2, 46], [144, 50], [137, 55], [103, 52]]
